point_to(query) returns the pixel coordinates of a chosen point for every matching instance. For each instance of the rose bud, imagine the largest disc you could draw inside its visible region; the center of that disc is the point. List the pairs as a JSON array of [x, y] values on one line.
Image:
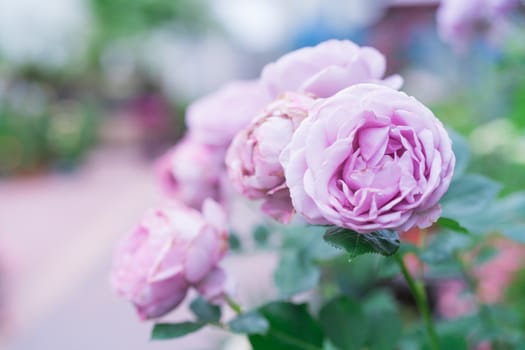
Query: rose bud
[[369, 158], [325, 69], [216, 118], [172, 249], [191, 172], [253, 157]]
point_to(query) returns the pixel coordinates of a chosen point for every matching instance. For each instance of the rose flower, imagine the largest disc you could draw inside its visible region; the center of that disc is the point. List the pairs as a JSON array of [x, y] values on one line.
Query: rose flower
[[172, 249], [369, 158]]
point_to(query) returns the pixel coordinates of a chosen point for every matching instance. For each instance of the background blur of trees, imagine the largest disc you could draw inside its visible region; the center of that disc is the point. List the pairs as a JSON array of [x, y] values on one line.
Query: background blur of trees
[[77, 74]]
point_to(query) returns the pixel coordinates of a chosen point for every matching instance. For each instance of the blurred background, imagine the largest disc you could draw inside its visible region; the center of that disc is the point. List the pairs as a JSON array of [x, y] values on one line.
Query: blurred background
[[92, 91]]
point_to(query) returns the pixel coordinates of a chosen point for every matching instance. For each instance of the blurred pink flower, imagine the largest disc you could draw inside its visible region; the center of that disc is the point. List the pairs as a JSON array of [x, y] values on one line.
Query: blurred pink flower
[[497, 274], [191, 172], [216, 118], [458, 21], [369, 158], [172, 249], [325, 69], [493, 278], [253, 157], [452, 301]]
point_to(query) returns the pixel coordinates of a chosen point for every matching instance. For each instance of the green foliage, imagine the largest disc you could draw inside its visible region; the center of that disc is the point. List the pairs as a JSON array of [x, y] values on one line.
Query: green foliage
[[384, 242], [205, 311], [385, 323], [234, 242], [261, 235], [442, 247], [461, 151], [451, 224], [118, 18], [59, 134], [296, 273], [249, 323], [166, 331], [292, 327], [372, 323], [468, 195], [344, 323], [299, 268]]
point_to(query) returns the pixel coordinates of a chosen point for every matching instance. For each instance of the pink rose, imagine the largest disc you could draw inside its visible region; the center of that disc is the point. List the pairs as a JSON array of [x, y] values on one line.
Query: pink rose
[[369, 158], [458, 21], [216, 118], [325, 69], [173, 248], [253, 157], [191, 172]]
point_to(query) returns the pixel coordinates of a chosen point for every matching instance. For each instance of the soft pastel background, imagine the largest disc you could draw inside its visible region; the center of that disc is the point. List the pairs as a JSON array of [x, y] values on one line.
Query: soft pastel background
[[91, 91]]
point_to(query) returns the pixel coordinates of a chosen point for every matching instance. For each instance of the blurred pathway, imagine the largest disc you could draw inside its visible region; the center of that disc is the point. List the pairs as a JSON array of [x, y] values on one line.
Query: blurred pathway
[[58, 232]]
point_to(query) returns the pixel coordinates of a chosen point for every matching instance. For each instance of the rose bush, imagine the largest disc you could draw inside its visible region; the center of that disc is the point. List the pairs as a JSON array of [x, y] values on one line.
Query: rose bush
[[253, 157], [369, 158], [171, 250], [323, 134]]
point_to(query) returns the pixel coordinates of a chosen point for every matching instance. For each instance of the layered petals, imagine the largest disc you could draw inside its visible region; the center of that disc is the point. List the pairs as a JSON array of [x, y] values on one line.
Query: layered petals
[[369, 158], [171, 250]]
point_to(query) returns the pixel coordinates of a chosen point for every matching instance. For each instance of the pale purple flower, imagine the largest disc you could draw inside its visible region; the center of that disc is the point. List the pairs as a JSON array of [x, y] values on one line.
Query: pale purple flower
[[369, 158], [459, 20], [216, 286], [191, 172], [325, 69], [253, 157], [172, 249], [216, 118]]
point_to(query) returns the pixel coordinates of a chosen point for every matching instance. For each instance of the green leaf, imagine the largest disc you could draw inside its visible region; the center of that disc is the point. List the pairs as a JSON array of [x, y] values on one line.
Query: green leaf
[[205, 311], [296, 273], [385, 324], [461, 150], [234, 241], [506, 216], [291, 328], [304, 249], [456, 341], [503, 215], [442, 247], [260, 235], [451, 224], [469, 195], [164, 331], [249, 323], [384, 242], [344, 323]]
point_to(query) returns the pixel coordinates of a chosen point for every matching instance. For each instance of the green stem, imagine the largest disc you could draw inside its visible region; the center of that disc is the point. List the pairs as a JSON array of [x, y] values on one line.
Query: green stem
[[233, 305], [420, 295]]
